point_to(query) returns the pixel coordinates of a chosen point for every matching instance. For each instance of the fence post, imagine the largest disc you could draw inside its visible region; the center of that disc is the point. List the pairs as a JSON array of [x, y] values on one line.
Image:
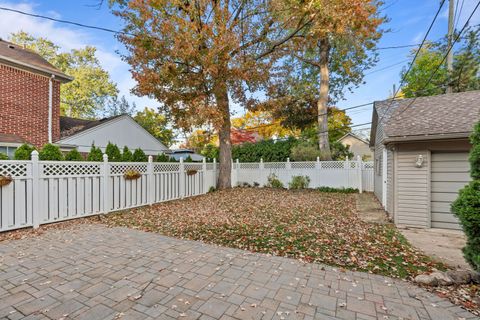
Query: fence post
[[35, 190], [288, 167], [105, 174], [204, 170], [215, 172], [262, 174], [182, 178], [360, 173], [150, 181]]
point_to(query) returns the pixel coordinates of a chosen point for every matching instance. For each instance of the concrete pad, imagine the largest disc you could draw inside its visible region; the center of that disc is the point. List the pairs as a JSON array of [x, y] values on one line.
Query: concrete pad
[[442, 244]]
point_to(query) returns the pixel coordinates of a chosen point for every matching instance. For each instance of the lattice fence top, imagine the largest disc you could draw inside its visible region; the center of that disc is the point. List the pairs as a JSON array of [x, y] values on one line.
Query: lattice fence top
[[303, 165], [210, 166], [165, 167], [274, 165], [332, 164], [193, 166], [122, 168], [69, 169], [368, 165], [13, 169], [249, 165]]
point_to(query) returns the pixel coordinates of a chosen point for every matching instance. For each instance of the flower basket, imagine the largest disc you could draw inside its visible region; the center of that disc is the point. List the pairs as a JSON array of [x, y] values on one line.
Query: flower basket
[[132, 175], [5, 180], [191, 172]]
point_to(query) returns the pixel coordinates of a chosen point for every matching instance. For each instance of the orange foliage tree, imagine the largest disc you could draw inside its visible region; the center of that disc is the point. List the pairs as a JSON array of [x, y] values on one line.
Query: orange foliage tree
[[198, 56], [342, 37]]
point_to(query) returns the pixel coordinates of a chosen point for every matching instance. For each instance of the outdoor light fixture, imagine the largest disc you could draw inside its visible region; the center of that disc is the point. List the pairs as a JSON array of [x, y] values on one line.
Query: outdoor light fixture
[[419, 161]]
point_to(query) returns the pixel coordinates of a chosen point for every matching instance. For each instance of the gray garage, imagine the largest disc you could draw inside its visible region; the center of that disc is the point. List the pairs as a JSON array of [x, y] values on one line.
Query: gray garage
[[421, 149]]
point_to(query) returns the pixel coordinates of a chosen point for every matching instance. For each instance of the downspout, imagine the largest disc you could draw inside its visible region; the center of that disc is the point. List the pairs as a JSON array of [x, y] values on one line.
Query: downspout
[[50, 108]]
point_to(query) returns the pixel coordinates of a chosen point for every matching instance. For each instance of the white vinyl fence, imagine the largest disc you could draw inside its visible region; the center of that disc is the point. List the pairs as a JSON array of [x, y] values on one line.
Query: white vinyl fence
[[49, 191]]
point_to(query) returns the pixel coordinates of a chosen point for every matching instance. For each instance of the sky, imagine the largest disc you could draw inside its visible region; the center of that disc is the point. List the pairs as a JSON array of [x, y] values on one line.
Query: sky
[[408, 23]]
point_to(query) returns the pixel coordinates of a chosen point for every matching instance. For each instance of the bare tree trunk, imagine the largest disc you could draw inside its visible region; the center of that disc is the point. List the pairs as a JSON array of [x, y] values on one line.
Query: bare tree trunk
[[221, 95], [323, 142]]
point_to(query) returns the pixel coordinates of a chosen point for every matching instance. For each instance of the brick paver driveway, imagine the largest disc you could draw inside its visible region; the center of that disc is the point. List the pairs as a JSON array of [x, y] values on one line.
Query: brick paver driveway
[[94, 272]]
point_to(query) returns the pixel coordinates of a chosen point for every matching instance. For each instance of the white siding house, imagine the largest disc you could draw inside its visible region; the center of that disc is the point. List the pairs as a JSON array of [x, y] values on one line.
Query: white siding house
[[120, 130], [357, 145], [421, 156]]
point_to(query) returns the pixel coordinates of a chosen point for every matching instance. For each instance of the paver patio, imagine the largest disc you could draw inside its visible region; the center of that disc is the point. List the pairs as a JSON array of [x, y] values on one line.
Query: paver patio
[[95, 272]]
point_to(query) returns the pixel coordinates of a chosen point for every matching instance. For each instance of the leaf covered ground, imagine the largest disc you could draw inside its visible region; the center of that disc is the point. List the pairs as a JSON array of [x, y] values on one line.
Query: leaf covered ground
[[308, 225]]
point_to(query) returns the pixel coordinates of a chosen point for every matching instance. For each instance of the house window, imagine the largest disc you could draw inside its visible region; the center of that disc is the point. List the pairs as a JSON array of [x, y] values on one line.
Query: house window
[[9, 151]]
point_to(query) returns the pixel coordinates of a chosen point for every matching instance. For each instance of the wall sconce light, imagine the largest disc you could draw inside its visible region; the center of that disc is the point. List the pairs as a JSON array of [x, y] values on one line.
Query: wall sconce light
[[419, 162]]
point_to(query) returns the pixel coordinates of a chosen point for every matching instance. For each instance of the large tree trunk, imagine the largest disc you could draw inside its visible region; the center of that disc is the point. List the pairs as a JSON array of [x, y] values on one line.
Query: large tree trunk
[[322, 102], [221, 95]]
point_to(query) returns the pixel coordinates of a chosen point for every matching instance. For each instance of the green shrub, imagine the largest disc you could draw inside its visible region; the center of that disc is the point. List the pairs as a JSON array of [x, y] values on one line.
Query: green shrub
[[475, 153], [24, 152], [268, 150], [274, 182], [210, 151], [162, 157], [339, 190], [74, 155], [95, 154], [188, 159], [340, 152], [299, 182], [467, 206], [211, 189], [127, 155], [113, 153], [3, 156], [139, 156], [305, 151], [50, 152]]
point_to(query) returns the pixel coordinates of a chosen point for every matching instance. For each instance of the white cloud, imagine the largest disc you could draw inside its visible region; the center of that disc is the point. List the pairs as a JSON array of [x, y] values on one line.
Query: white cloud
[[69, 38]]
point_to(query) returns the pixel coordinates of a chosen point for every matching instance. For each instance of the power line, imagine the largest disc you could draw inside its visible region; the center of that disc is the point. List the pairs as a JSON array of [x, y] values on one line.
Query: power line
[[444, 57], [413, 61], [387, 67]]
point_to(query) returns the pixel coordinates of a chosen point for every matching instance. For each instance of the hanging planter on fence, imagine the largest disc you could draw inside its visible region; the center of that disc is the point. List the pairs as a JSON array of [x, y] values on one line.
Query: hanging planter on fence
[[191, 172], [132, 175], [5, 180]]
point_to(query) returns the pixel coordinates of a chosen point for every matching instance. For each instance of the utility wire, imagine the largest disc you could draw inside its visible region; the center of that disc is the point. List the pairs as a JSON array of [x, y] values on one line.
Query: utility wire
[[444, 57], [413, 61]]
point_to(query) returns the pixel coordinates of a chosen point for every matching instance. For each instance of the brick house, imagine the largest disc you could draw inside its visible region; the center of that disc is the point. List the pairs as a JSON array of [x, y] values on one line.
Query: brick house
[[29, 98]]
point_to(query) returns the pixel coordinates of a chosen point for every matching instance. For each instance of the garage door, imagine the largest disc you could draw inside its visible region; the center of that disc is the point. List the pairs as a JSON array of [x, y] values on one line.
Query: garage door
[[450, 173]]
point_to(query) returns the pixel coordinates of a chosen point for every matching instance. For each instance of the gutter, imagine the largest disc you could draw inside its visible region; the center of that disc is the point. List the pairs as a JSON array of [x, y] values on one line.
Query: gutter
[[457, 135], [62, 77], [50, 107]]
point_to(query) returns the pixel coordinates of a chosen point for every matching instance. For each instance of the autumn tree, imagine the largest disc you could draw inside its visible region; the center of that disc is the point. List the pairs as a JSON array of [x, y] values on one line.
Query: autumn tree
[[87, 94], [429, 76], [263, 123], [197, 57], [156, 124], [332, 52]]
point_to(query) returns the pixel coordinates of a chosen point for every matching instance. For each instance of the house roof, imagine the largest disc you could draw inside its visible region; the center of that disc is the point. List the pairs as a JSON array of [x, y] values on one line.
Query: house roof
[[453, 114], [11, 138], [350, 134], [14, 55], [71, 126]]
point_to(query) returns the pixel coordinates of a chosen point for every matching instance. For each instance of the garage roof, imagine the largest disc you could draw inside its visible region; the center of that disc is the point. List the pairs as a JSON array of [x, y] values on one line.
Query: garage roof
[[445, 114]]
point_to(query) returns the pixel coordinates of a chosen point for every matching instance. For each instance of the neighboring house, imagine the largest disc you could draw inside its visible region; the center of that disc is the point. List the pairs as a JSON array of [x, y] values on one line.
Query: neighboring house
[[29, 98], [121, 130], [357, 145], [421, 156], [184, 153]]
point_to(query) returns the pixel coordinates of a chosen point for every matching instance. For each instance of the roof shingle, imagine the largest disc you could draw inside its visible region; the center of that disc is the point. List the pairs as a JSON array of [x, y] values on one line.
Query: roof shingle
[[26, 58], [435, 115]]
